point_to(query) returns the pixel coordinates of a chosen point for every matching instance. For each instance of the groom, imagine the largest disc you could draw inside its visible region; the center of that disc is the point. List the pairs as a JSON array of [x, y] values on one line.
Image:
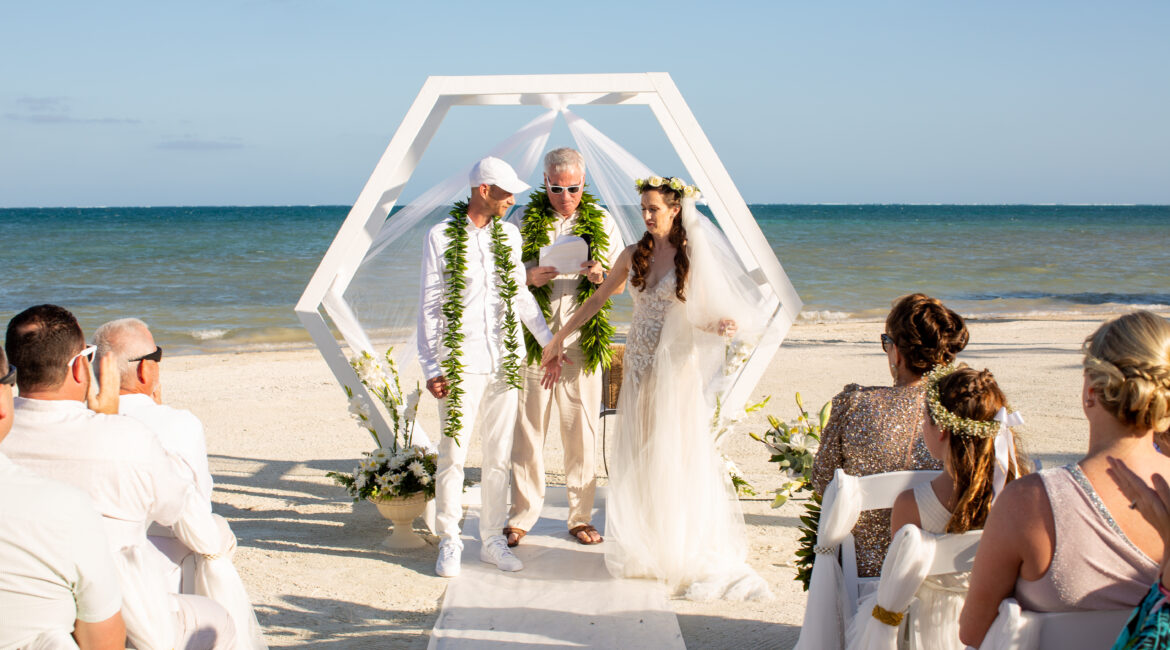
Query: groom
[[473, 288], [563, 208]]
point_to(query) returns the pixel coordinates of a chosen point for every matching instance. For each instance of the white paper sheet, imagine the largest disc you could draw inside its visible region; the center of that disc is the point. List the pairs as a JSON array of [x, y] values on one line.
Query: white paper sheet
[[567, 253]]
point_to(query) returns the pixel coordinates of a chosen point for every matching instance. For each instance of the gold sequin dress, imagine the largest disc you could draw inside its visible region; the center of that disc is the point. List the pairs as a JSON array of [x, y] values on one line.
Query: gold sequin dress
[[872, 430]]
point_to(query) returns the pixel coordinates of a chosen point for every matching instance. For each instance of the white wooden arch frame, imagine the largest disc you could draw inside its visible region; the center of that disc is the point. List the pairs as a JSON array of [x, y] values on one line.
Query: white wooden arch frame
[[422, 121]]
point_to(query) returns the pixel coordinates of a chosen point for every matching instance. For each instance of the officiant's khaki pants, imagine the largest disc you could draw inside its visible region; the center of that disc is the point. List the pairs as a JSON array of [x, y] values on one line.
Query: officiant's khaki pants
[[577, 397]]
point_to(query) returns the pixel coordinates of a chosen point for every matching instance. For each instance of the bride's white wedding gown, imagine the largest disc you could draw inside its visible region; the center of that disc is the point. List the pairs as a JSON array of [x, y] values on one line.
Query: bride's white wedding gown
[[672, 513]]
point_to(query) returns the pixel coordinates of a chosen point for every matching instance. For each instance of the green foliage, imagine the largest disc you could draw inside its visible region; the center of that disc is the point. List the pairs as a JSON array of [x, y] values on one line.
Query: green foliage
[[506, 282], [456, 258], [597, 333], [793, 447]]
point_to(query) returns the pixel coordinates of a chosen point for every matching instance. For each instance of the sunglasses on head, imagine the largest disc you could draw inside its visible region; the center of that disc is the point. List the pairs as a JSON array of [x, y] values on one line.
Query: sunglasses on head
[[10, 378], [155, 356], [887, 342], [557, 189], [88, 353]]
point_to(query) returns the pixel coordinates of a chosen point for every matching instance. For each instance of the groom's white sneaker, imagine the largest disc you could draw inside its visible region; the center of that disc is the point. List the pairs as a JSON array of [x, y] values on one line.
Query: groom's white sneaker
[[495, 551], [450, 553]]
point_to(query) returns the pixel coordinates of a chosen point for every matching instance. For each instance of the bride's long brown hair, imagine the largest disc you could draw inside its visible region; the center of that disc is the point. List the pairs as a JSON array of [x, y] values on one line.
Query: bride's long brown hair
[[640, 263]]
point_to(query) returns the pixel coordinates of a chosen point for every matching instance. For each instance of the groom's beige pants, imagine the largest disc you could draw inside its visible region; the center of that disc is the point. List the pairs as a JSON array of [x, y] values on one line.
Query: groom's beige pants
[[577, 398]]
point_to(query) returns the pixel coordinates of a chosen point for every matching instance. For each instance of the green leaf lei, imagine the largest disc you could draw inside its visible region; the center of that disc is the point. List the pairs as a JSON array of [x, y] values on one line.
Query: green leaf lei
[[456, 259], [539, 216]]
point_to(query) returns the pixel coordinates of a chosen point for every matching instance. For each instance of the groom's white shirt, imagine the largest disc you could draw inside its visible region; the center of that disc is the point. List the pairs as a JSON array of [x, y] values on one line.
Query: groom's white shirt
[[483, 311]]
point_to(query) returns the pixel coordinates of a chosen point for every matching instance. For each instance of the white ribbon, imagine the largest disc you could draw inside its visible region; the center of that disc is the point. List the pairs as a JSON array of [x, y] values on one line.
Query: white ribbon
[[1005, 448]]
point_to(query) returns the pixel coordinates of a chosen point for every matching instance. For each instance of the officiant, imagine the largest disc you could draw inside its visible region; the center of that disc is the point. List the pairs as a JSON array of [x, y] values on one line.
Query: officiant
[[562, 214]]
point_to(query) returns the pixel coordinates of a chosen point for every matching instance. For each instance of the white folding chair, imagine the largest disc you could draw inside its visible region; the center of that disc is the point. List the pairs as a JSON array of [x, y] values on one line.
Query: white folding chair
[[834, 586], [878, 492], [913, 556], [1017, 629]]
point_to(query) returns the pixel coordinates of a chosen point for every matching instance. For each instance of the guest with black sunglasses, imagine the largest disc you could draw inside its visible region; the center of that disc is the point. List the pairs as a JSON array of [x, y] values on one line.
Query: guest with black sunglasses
[[137, 358], [878, 429]]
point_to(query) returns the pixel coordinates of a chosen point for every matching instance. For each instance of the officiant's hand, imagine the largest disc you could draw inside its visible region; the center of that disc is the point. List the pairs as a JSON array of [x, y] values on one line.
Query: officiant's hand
[[593, 270], [437, 386], [538, 276]]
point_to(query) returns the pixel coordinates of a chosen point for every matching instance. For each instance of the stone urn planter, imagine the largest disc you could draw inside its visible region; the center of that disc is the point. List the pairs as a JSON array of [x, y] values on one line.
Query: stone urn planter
[[402, 511]]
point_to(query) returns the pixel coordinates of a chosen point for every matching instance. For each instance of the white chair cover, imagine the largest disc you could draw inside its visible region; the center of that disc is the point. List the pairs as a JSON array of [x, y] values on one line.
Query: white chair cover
[[1016, 629], [825, 613], [216, 578], [146, 602], [907, 564]]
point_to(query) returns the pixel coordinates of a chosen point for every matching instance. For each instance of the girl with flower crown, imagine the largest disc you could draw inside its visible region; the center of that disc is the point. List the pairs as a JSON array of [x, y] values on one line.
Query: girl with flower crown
[[671, 511], [965, 424]]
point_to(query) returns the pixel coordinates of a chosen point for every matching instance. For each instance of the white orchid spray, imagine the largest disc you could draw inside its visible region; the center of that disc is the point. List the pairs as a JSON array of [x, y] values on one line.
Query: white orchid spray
[[401, 468]]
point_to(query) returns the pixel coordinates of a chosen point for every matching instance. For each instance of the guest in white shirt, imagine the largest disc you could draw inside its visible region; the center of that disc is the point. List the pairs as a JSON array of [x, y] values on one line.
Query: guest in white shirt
[[137, 359], [57, 580], [127, 474], [488, 400]]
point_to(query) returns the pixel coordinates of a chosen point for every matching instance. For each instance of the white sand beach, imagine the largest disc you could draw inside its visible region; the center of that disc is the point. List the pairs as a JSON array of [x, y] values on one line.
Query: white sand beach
[[276, 421]]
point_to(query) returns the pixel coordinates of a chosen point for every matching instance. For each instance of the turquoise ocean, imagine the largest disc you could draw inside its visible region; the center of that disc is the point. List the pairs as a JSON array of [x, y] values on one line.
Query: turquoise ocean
[[220, 278]]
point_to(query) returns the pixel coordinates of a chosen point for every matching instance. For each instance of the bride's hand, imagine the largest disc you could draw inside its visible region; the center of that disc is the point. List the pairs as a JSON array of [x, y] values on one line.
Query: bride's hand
[[551, 352], [727, 327]]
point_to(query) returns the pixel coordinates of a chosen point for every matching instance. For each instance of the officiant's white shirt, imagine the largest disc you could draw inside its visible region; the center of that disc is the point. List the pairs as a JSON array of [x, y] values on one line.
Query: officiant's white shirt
[[55, 564], [179, 431], [120, 464], [483, 311]]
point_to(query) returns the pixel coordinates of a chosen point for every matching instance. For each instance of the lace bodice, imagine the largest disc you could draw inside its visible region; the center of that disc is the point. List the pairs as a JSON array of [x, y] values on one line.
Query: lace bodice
[[650, 309]]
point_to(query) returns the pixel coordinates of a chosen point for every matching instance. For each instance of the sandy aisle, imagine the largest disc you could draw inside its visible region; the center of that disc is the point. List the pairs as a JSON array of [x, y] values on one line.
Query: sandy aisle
[[276, 422]]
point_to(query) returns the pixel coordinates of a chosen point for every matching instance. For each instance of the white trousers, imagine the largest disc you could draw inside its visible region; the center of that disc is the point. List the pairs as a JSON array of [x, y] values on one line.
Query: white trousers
[[202, 624], [489, 411]]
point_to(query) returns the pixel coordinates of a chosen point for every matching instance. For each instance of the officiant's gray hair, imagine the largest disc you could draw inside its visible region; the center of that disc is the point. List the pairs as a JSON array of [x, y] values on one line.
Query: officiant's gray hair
[[564, 159], [124, 338]]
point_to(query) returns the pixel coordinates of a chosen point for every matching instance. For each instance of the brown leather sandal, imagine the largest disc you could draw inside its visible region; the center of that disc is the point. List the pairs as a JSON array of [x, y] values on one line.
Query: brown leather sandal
[[586, 528], [509, 531]]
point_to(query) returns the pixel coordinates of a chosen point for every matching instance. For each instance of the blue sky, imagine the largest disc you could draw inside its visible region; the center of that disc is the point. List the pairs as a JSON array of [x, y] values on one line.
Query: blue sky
[[289, 102]]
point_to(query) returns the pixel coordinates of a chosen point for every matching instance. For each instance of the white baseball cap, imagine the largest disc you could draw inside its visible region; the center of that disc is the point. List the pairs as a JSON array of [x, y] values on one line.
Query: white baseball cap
[[493, 171]]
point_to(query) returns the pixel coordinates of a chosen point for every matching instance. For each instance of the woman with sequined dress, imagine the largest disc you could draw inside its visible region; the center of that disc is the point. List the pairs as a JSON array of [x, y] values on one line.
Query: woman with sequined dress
[[671, 511], [878, 429]]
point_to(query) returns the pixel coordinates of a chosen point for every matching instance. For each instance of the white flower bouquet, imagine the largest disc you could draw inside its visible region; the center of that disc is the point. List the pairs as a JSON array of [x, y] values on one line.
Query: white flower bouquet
[[793, 447], [397, 469]]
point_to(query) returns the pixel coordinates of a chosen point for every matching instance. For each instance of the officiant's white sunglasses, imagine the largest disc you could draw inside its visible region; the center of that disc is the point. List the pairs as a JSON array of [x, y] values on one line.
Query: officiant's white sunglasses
[[10, 378], [88, 353], [557, 189]]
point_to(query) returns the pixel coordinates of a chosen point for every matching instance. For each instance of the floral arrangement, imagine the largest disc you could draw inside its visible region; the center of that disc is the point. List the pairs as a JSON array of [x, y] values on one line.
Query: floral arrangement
[[793, 447], [397, 469], [676, 184]]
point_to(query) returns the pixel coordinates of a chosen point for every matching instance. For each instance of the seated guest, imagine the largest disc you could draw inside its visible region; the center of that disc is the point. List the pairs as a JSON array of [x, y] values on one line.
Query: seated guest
[[57, 580], [1067, 538], [966, 428], [877, 429], [120, 464], [136, 359]]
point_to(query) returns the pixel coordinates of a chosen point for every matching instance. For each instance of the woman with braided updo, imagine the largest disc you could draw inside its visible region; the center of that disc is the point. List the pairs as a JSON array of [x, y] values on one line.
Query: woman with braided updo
[[671, 512], [877, 429], [1068, 538]]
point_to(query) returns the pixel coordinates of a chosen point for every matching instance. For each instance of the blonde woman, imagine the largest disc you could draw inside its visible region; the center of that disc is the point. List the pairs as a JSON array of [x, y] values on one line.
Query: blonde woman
[[1067, 538]]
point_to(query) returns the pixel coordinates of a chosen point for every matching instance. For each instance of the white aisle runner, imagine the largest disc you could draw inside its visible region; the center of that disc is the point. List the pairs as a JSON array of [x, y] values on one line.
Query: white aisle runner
[[563, 598]]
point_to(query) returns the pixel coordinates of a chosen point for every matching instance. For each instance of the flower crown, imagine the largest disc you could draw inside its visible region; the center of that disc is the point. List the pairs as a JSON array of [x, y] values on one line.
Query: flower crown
[[676, 184], [948, 421]]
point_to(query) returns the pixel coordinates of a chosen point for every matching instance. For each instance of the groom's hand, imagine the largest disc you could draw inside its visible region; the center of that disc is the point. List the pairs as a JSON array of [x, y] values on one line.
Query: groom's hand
[[437, 386]]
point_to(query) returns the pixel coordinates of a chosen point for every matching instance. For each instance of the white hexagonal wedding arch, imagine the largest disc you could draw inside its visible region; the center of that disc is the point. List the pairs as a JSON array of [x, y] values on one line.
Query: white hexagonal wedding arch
[[656, 90]]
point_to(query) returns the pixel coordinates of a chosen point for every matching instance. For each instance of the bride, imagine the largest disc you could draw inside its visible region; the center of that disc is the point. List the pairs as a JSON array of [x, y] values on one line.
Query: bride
[[672, 513]]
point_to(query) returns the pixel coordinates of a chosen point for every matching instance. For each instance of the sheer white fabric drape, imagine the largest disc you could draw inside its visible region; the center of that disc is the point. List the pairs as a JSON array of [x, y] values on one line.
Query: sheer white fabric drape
[[906, 565], [826, 614]]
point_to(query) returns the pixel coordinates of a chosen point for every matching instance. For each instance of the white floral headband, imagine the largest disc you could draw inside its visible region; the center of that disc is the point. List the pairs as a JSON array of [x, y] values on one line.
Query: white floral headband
[[676, 184]]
